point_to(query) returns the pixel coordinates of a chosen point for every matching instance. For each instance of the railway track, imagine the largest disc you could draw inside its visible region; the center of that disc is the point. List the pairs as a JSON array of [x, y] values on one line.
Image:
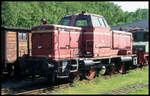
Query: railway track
[[41, 87], [36, 87], [43, 90]]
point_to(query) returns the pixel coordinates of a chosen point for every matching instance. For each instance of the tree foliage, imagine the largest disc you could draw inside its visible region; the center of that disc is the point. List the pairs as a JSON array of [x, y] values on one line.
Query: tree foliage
[[28, 14]]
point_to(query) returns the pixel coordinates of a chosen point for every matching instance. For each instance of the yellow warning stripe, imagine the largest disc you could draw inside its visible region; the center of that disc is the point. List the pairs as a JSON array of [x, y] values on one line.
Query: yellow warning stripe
[[11, 32], [11, 42], [11, 35], [11, 38], [22, 44]]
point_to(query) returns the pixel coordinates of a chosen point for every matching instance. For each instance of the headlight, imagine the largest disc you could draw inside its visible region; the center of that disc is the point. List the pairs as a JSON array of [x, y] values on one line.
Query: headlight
[[88, 52], [49, 55], [39, 46]]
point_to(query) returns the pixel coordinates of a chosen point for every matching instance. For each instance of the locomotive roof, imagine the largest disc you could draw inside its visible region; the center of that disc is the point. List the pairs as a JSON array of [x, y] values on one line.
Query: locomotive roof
[[85, 14], [62, 26]]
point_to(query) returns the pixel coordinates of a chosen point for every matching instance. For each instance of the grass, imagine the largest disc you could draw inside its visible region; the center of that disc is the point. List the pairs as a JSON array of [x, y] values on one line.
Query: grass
[[100, 86]]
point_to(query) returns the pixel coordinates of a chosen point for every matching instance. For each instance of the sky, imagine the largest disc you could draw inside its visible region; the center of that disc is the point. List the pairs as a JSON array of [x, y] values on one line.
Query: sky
[[132, 6]]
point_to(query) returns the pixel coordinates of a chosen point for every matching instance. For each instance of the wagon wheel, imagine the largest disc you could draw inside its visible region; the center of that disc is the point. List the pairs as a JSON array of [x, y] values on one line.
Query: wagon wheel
[[10, 71], [91, 74]]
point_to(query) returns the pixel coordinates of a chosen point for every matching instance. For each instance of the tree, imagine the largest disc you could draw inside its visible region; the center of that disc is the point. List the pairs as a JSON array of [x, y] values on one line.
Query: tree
[[28, 14]]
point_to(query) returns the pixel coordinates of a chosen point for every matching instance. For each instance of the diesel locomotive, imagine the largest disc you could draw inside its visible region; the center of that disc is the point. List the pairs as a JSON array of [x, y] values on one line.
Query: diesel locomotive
[[82, 45]]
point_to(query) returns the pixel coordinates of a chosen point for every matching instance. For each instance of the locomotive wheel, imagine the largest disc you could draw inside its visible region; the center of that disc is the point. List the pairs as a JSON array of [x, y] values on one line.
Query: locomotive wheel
[[91, 74], [112, 69], [145, 62], [122, 69], [103, 70], [74, 77]]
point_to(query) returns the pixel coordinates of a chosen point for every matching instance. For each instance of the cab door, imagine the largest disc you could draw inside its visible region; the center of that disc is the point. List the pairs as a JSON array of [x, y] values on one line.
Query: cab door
[[102, 35], [63, 43]]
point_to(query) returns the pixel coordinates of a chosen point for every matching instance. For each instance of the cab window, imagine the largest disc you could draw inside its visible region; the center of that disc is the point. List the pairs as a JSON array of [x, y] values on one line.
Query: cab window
[[65, 21], [82, 21]]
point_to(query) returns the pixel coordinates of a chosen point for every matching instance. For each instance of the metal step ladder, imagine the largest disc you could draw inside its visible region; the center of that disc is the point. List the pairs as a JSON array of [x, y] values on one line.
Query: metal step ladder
[[74, 67]]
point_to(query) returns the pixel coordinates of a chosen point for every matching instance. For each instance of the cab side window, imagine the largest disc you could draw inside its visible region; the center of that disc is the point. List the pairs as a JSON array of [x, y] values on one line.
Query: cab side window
[[96, 22], [101, 22], [106, 24]]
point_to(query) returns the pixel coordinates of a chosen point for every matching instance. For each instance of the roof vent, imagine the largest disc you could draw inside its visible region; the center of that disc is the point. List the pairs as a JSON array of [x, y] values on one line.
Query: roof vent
[[44, 21], [83, 12]]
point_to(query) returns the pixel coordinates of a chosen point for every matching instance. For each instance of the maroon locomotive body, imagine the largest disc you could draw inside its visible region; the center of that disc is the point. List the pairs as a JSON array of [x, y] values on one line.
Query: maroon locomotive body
[[55, 41], [80, 40]]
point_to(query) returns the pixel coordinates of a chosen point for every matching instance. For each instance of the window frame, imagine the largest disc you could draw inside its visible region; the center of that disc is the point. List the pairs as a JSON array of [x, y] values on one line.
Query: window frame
[[22, 36]]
